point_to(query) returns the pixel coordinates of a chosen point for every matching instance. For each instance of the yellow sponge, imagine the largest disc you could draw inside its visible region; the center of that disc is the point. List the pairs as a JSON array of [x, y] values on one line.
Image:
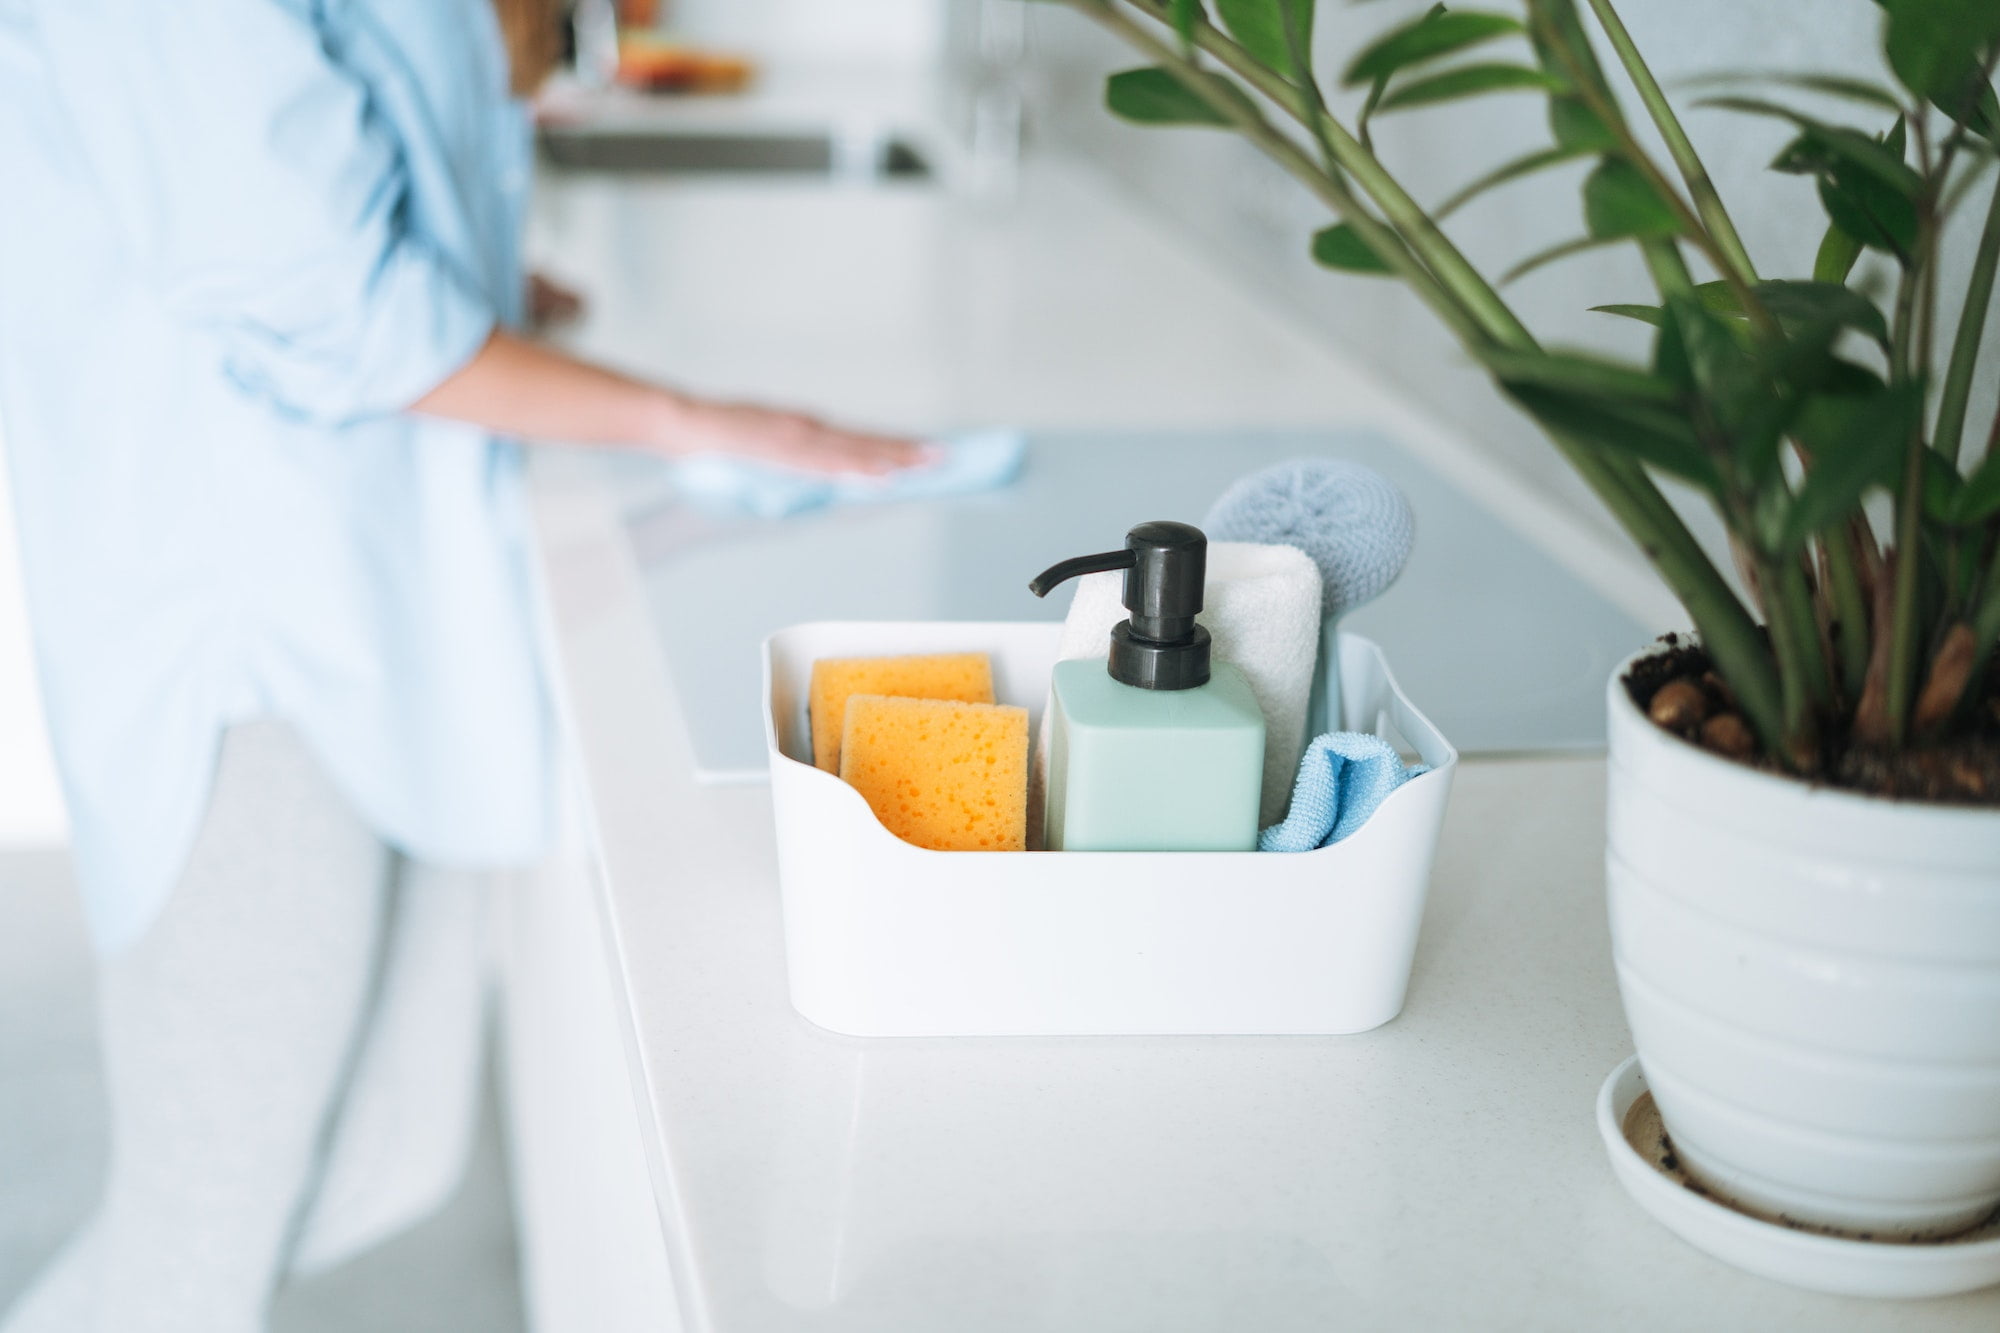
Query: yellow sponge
[[949, 776], [967, 677]]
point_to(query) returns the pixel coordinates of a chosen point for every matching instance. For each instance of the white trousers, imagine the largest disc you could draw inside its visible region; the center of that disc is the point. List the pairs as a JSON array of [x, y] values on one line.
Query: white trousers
[[292, 1056]]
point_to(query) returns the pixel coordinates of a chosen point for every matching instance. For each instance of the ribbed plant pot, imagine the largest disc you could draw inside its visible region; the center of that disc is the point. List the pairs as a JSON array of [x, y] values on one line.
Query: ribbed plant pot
[[1812, 979]]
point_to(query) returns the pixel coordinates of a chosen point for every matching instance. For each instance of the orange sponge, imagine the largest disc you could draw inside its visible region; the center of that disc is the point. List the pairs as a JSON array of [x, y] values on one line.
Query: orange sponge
[[949, 776], [967, 677]]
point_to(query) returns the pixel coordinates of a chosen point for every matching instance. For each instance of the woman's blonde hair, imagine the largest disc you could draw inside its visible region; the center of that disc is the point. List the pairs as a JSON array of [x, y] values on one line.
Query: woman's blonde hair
[[533, 29]]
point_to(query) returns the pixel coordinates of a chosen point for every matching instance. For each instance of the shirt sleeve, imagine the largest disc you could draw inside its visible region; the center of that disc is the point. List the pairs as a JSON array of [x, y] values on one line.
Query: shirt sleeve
[[264, 198]]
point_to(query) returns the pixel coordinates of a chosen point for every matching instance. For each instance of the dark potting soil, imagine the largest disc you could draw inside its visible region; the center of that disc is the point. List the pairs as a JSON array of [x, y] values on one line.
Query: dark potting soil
[[1694, 704]]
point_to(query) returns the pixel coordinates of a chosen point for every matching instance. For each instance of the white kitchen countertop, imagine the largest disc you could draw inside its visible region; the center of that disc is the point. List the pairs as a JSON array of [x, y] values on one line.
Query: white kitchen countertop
[[1442, 1172]]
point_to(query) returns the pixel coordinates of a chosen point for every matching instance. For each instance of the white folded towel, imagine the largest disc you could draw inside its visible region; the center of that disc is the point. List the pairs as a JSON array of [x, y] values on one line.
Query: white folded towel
[[1261, 608]]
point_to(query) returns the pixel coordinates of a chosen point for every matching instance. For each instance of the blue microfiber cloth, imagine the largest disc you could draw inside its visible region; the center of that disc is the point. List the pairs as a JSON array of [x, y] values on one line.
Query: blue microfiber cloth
[[1344, 778], [735, 487]]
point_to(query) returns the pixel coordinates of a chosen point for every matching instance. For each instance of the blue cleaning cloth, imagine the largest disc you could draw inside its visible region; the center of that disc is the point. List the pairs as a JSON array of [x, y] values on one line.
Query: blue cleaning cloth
[[1344, 778], [734, 487]]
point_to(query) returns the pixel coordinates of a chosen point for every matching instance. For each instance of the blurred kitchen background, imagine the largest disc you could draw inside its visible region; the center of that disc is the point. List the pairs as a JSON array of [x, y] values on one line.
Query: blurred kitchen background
[[968, 96], [975, 100]]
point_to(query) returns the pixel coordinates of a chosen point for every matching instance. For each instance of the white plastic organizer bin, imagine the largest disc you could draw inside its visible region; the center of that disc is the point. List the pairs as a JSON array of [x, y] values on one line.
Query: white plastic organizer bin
[[883, 938]]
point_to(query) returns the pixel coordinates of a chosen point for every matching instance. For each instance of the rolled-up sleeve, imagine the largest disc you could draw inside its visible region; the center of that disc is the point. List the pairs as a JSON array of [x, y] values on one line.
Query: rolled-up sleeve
[[264, 199]]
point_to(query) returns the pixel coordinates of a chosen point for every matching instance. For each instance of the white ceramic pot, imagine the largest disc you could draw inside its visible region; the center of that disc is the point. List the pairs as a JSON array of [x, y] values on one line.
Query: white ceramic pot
[[1812, 978]]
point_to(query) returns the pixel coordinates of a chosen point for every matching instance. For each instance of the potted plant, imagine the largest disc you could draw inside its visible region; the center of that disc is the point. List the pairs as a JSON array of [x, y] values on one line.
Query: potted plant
[[1805, 804]]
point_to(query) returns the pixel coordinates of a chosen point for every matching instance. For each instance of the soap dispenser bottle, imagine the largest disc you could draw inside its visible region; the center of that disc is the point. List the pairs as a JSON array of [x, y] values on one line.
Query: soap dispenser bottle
[[1156, 749]]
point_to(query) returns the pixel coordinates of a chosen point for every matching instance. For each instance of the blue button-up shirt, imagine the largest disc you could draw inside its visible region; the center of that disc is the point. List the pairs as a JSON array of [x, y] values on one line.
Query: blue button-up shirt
[[237, 238]]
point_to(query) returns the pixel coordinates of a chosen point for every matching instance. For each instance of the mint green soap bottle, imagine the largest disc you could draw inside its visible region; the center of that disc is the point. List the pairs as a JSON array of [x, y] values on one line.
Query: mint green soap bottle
[[1156, 749]]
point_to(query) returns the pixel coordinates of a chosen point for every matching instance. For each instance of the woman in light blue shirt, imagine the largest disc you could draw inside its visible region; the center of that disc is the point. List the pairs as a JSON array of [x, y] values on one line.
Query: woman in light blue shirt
[[258, 264]]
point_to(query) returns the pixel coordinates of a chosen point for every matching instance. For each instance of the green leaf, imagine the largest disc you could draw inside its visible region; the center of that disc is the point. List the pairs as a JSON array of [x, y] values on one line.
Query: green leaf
[[1380, 86], [1867, 189], [1654, 435], [1645, 314], [1259, 28], [1341, 247], [1847, 379], [1526, 165], [1576, 126], [1897, 140], [1578, 373], [1979, 499], [1980, 162], [1865, 209], [1543, 258], [1435, 34], [1724, 373], [1837, 253], [1563, 45], [1468, 81], [1755, 385], [1798, 305], [1740, 394], [1795, 304], [1855, 444], [1984, 116], [1821, 148], [1670, 357], [1619, 202], [1156, 97], [1719, 298], [1942, 488], [1933, 46], [1831, 85], [1803, 363], [1367, 113], [1185, 15]]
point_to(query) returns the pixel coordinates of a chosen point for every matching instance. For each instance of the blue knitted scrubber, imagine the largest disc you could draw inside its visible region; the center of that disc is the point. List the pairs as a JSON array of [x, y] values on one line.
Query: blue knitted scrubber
[[1350, 519]]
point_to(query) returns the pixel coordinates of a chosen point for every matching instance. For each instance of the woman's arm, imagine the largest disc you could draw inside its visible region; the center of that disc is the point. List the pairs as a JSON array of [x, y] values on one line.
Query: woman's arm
[[516, 387], [265, 202]]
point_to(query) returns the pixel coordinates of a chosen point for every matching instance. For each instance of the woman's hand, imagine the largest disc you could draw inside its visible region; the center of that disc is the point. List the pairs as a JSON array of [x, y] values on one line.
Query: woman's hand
[[531, 391], [789, 439]]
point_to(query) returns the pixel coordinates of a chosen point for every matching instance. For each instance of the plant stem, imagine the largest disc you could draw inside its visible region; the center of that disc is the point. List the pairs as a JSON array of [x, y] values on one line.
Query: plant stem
[[1795, 638], [1794, 605], [1850, 611], [1597, 96], [1903, 627], [1927, 304], [1401, 211], [1302, 74], [1732, 638], [1971, 328], [1986, 620], [1909, 363], [1962, 118], [1475, 312], [1985, 617], [1783, 725], [1669, 269], [1706, 199], [1953, 670], [1216, 93]]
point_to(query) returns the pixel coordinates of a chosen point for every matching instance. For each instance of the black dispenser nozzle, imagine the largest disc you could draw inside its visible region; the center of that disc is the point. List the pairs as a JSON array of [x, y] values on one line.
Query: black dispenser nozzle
[[1166, 566]]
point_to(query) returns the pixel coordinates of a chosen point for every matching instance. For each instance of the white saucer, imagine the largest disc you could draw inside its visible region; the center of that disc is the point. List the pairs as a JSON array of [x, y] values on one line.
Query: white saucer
[[1837, 1264]]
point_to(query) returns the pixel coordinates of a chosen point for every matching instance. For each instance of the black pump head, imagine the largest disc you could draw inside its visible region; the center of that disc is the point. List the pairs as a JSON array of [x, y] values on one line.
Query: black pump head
[[1166, 566]]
